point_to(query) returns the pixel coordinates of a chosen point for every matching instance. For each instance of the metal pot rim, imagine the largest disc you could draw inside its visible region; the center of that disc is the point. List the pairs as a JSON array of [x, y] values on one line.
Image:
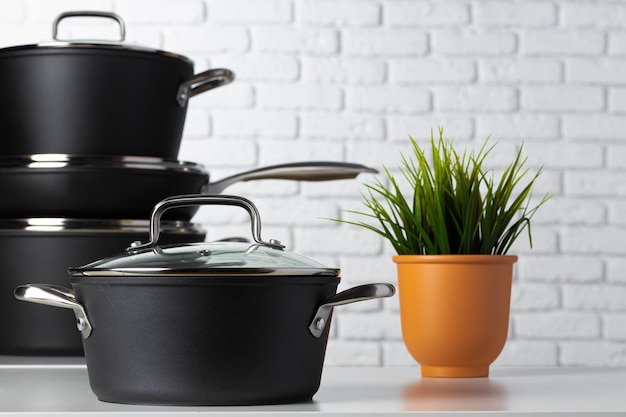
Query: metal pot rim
[[85, 226], [86, 46], [186, 277], [61, 161]]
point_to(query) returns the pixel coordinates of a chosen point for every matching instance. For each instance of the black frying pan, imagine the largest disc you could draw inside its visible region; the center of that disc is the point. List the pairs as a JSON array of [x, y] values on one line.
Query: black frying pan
[[51, 185]]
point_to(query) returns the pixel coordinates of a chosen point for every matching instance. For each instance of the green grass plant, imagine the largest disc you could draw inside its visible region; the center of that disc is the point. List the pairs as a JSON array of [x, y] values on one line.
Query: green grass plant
[[456, 206]]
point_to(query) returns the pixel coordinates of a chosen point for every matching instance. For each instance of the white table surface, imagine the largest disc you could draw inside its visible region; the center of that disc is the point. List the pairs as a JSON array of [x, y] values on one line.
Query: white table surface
[[59, 386]]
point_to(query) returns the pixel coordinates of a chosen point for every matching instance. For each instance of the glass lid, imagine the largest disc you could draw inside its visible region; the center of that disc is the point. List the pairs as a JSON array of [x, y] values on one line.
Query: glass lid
[[207, 258]]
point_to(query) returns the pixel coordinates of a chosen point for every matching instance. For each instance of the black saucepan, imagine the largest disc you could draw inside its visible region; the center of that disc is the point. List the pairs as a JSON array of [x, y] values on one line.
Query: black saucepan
[[203, 324], [97, 98], [51, 185], [45, 248]]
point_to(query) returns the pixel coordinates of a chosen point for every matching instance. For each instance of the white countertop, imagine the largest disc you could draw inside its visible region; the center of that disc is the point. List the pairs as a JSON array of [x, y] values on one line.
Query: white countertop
[[44, 387]]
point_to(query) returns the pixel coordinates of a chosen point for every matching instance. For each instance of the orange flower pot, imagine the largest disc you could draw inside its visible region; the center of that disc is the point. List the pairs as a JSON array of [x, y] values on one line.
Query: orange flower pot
[[454, 311]]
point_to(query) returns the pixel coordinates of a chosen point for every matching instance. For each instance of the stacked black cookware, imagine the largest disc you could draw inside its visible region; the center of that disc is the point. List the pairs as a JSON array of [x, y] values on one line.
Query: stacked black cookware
[[91, 135]]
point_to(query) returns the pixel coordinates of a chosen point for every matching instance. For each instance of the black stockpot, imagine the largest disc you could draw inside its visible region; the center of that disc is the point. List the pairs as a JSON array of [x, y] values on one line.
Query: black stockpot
[[46, 248], [97, 98], [204, 324]]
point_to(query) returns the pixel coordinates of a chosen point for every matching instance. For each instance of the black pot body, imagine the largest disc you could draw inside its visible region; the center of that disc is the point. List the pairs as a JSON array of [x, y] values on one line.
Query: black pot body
[[32, 329], [91, 101], [204, 341], [95, 192]]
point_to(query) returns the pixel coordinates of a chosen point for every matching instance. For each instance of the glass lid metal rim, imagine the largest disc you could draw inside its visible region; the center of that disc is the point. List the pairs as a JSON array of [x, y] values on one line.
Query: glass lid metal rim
[[198, 273]]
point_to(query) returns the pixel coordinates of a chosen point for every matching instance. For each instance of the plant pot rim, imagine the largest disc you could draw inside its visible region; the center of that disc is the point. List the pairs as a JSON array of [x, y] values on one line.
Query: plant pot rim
[[455, 259]]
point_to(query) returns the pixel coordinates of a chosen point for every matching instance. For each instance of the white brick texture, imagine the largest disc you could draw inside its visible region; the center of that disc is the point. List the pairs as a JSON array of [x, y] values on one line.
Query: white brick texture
[[600, 15], [161, 11], [475, 98], [548, 42], [562, 99], [249, 11], [350, 80], [428, 71], [420, 14], [347, 13], [527, 70], [333, 70], [495, 13], [377, 41], [561, 325], [472, 42]]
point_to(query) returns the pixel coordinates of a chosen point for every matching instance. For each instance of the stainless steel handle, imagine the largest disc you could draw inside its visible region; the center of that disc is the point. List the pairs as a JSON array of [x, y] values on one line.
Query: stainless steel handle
[[298, 171], [202, 82], [56, 296], [89, 13], [199, 200], [352, 295]]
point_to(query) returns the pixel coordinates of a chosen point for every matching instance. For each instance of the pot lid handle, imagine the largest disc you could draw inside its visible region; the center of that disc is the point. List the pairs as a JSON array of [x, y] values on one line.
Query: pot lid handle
[[88, 13], [197, 200]]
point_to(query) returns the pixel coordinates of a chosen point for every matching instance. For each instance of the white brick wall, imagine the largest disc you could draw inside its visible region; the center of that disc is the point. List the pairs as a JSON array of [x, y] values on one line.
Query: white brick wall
[[350, 79]]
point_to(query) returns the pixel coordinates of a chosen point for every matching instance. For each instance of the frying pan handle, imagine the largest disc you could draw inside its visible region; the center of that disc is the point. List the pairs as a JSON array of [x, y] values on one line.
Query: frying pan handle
[[199, 200], [56, 296], [89, 13], [297, 171], [352, 295], [202, 82]]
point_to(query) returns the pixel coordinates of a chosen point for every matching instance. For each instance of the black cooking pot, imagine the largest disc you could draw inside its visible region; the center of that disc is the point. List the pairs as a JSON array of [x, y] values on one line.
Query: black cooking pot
[[97, 98], [45, 248], [52, 185], [204, 324]]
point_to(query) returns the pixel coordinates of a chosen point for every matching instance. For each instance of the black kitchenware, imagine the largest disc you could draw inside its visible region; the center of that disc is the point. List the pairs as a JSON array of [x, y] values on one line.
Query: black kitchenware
[[45, 248], [97, 97], [52, 185], [203, 324]]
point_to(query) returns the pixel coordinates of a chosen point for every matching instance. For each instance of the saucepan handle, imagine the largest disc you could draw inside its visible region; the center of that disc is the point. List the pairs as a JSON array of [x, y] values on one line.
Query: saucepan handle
[[202, 82], [54, 295], [352, 295]]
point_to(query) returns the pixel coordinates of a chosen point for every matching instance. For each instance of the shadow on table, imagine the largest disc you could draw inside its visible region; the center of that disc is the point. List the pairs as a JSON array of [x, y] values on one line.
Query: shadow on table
[[454, 394]]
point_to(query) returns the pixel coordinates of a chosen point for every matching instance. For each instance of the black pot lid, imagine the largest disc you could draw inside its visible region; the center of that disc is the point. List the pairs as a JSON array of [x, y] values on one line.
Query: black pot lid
[[207, 258], [116, 44]]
